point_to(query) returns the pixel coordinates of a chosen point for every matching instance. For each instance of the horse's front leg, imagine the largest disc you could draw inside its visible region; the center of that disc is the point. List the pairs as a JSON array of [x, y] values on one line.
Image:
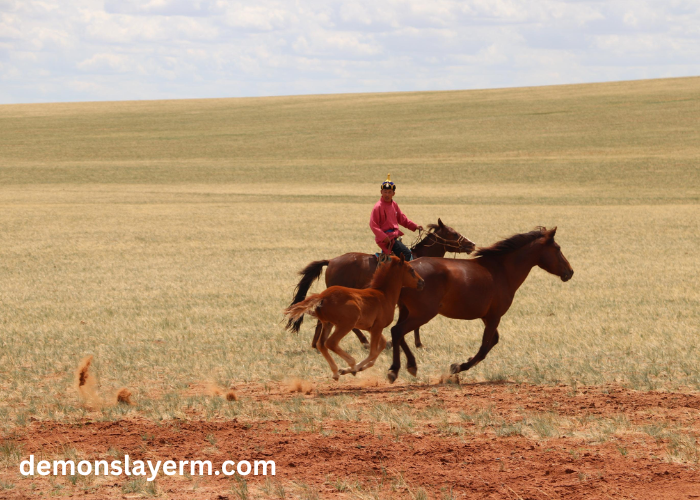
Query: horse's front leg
[[398, 333], [489, 340]]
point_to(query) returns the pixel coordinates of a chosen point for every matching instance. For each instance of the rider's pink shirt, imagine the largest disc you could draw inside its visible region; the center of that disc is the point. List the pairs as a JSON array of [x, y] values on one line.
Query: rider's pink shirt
[[387, 216]]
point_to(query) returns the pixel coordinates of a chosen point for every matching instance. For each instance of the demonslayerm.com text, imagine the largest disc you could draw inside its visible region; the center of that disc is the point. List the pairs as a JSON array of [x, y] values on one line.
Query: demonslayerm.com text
[[148, 468]]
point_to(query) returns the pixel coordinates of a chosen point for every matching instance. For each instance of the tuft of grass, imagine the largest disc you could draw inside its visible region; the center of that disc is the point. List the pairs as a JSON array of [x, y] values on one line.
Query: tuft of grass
[[545, 425], [136, 485], [509, 429], [420, 494], [6, 486], [273, 488], [240, 487], [683, 447], [307, 492], [10, 452]]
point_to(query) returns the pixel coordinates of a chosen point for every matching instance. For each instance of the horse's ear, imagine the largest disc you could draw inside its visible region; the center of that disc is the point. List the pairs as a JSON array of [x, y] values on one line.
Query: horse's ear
[[440, 222], [549, 235], [402, 259]]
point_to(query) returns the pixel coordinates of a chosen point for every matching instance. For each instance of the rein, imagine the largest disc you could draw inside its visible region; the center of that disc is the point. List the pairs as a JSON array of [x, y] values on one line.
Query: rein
[[438, 239]]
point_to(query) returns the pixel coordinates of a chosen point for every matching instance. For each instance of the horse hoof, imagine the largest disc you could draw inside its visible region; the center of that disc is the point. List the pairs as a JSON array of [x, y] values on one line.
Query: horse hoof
[[336, 377], [455, 368], [419, 346], [365, 346], [391, 376], [413, 370]]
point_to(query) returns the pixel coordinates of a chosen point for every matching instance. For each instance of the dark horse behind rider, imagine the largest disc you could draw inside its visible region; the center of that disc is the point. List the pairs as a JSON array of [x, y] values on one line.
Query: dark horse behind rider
[[355, 270]]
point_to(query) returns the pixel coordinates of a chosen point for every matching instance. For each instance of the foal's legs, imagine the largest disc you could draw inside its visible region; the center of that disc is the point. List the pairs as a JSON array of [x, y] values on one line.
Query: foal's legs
[[332, 344], [489, 340], [321, 346], [377, 344], [323, 349]]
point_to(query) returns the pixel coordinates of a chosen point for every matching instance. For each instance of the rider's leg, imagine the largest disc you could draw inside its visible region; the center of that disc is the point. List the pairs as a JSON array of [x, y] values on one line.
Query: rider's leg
[[399, 248]]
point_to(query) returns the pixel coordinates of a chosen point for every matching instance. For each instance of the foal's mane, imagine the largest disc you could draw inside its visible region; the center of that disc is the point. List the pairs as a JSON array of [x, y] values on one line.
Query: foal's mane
[[515, 242], [382, 272]]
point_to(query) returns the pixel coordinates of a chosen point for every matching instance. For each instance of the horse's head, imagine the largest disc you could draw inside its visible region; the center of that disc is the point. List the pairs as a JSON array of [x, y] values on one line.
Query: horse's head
[[551, 258], [451, 239], [409, 277]]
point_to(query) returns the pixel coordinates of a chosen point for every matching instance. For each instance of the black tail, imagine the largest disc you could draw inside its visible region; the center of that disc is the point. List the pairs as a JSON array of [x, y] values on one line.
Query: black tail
[[309, 274]]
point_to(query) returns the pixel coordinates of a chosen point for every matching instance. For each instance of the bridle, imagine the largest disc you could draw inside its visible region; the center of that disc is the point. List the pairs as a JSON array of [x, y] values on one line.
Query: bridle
[[448, 244]]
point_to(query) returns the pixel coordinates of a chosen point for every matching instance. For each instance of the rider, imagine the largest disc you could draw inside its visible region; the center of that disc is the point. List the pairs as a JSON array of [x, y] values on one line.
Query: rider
[[384, 222]]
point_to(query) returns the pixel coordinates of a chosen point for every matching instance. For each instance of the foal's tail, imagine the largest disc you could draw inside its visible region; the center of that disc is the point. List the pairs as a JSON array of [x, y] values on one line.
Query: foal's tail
[[295, 312], [309, 274]]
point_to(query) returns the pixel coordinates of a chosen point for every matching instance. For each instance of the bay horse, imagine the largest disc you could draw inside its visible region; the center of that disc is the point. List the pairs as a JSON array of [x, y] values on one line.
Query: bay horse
[[479, 288], [370, 309], [355, 270]]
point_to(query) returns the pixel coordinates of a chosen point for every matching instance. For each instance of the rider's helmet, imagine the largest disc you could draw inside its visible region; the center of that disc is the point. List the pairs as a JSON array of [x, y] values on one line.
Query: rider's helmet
[[387, 184]]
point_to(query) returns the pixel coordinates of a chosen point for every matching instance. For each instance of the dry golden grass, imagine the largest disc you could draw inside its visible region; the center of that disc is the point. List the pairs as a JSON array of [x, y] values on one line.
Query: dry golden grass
[[164, 237]]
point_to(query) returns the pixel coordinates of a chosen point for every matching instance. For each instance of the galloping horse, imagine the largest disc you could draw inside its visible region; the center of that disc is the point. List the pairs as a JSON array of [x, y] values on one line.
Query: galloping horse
[[482, 287], [347, 308], [355, 270]]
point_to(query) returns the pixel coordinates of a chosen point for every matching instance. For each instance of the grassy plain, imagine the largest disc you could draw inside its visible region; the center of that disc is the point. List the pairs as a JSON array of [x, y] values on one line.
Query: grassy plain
[[164, 237]]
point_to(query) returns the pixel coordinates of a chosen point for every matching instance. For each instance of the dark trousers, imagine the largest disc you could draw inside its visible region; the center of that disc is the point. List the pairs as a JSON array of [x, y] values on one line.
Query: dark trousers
[[399, 248]]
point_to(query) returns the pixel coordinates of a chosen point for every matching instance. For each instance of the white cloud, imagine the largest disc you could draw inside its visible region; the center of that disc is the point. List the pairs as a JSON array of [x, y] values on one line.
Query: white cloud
[[100, 63], [122, 49], [258, 18], [336, 45]]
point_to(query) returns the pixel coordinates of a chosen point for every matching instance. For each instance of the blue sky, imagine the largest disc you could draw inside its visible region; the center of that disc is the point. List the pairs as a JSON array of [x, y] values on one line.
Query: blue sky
[[86, 50]]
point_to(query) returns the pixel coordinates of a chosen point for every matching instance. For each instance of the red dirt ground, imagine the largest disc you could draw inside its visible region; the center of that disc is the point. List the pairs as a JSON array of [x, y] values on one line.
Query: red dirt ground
[[350, 459]]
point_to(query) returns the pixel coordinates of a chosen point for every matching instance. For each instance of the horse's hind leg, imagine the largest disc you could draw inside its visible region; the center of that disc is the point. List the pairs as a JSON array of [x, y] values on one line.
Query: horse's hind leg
[[321, 346], [332, 344], [361, 337], [416, 336], [489, 340]]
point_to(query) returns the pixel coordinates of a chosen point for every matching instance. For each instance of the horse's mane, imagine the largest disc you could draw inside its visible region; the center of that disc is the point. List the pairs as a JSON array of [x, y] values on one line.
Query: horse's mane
[[380, 275], [511, 244]]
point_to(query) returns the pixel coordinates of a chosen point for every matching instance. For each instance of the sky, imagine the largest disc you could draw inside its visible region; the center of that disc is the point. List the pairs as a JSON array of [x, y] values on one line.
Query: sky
[[96, 50]]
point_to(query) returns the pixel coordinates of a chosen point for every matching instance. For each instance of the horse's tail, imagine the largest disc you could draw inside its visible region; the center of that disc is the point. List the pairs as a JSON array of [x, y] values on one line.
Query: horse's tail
[[295, 312], [309, 274]]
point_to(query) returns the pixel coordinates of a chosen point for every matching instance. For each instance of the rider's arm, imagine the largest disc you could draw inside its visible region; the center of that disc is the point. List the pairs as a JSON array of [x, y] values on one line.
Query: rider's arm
[[405, 221]]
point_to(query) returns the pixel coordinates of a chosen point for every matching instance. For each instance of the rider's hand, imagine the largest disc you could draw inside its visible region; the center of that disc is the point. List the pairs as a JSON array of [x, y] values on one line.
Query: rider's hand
[[420, 228], [386, 240]]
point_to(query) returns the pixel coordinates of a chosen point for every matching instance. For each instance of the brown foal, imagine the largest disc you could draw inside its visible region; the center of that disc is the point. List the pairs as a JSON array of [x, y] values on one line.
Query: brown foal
[[345, 308]]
